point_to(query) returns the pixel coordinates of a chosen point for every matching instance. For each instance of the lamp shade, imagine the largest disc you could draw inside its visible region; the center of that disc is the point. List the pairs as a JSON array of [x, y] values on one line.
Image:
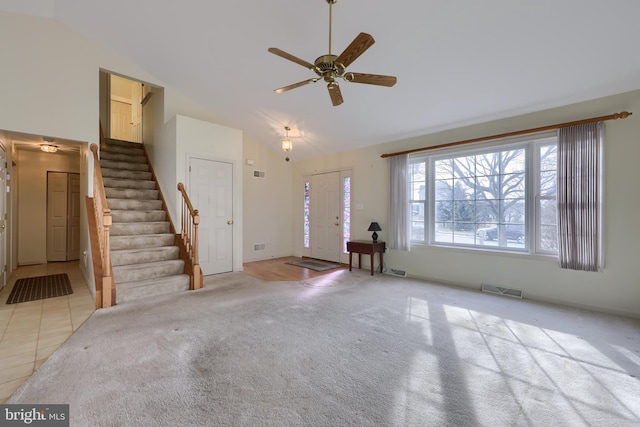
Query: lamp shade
[[374, 227]]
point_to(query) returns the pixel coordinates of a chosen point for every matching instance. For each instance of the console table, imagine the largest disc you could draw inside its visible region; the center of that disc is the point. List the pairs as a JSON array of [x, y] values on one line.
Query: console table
[[365, 247]]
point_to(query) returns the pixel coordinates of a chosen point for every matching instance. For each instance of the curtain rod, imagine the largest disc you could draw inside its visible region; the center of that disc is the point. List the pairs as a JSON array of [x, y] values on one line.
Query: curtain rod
[[622, 115]]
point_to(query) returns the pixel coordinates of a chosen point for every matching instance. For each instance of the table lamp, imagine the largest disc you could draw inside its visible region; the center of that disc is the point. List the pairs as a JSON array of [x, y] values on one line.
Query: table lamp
[[374, 227]]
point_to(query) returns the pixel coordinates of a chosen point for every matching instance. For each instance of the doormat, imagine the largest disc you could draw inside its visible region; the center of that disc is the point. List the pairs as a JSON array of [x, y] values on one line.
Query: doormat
[[315, 265], [35, 288]]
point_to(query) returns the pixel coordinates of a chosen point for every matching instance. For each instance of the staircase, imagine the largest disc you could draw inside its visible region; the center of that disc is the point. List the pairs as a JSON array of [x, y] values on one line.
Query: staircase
[[144, 257]]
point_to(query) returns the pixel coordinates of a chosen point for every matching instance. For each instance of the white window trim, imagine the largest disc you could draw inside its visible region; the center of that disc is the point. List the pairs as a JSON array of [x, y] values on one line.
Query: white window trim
[[530, 142]]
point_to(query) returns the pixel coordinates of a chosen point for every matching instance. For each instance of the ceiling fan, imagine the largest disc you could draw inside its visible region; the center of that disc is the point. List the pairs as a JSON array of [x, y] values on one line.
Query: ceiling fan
[[330, 67]]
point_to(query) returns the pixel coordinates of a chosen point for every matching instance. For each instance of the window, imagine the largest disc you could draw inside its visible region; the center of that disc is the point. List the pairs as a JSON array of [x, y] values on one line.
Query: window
[[501, 196], [346, 212], [546, 202], [307, 214]]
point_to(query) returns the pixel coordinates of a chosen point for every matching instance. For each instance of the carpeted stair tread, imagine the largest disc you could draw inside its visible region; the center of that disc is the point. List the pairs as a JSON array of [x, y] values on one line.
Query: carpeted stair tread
[[122, 157], [129, 183], [130, 193], [123, 150], [111, 142], [142, 241], [125, 174], [139, 228], [137, 216], [136, 205], [111, 164], [129, 291], [150, 270], [144, 255]]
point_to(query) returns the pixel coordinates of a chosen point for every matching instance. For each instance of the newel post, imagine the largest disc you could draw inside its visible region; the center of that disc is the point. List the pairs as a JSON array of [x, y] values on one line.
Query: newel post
[[197, 273], [107, 281]]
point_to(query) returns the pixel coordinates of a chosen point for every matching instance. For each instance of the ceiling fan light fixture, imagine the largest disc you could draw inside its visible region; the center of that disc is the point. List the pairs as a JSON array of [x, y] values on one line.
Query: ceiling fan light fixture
[[286, 143]]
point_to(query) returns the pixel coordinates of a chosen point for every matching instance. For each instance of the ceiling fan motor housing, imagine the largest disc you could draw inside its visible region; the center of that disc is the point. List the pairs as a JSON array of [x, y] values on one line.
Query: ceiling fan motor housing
[[326, 67]]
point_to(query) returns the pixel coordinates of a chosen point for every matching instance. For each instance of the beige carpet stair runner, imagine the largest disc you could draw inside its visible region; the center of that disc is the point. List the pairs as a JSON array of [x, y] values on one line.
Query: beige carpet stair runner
[[144, 258]]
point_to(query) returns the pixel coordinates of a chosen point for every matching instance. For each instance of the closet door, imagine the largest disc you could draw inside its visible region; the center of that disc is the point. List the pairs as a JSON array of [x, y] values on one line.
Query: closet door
[[57, 207], [73, 214]]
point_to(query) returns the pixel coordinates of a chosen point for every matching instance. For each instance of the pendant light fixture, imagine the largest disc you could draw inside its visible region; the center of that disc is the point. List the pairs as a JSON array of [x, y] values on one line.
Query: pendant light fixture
[[287, 145]]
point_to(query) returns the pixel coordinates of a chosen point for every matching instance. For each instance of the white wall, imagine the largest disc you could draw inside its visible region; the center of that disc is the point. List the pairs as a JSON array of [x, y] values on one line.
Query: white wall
[[615, 290], [197, 138], [32, 200], [267, 202]]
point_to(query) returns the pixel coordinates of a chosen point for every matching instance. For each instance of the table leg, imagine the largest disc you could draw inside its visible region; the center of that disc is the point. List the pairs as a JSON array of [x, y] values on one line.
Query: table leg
[[350, 256], [359, 261], [381, 262], [373, 254]]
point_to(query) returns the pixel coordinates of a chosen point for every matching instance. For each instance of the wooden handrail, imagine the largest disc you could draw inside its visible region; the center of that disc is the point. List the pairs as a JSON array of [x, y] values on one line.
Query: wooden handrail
[[189, 237], [105, 289]]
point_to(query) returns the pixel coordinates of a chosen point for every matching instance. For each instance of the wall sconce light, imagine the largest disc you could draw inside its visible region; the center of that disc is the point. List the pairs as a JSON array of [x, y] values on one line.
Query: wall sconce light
[[374, 227], [287, 145]]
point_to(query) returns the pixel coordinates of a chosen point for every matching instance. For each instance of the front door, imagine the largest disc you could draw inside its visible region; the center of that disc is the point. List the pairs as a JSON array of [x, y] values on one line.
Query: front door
[[211, 191], [325, 216]]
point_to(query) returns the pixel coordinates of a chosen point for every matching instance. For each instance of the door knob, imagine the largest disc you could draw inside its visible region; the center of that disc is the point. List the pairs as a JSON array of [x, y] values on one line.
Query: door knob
[[229, 222], [337, 223]]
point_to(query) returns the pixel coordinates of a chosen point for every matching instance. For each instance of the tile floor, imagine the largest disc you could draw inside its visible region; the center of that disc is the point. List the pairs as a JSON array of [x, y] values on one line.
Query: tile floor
[[31, 331]]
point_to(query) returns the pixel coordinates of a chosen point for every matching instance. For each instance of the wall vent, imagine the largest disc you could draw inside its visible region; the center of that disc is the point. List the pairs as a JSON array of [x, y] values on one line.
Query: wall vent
[[493, 289], [258, 174], [259, 247], [394, 272]]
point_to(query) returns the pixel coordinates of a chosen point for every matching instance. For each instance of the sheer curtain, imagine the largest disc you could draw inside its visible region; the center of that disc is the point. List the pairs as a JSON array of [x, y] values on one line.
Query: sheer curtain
[[399, 218], [580, 197]]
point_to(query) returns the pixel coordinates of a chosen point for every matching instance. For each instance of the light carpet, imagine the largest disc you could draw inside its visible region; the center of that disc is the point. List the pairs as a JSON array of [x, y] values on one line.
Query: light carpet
[[343, 349]]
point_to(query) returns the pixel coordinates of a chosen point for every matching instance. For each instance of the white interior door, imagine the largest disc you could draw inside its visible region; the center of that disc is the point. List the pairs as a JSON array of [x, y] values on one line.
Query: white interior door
[[57, 216], [73, 214], [325, 217], [121, 126], [211, 191], [136, 112], [3, 210]]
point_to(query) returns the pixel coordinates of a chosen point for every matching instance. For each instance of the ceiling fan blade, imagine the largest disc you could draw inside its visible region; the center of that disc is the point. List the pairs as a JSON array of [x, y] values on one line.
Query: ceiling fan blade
[[371, 79], [358, 46], [335, 94], [295, 85], [290, 57]]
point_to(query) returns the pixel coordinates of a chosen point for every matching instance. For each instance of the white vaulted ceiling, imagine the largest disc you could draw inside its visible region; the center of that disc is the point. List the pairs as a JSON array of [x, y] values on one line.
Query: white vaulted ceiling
[[457, 62]]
